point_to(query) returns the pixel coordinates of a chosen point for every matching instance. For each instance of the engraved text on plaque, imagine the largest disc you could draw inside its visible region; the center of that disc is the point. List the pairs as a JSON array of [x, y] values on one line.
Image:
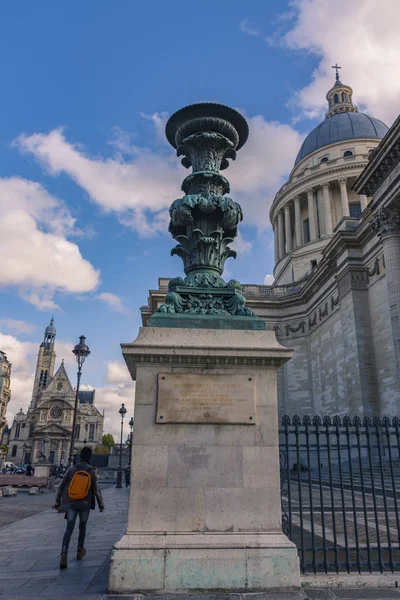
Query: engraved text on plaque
[[205, 399]]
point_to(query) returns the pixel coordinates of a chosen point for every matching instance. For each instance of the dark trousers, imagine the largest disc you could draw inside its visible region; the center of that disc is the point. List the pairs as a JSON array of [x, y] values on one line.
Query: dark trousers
[[127, 479], [71, 516]]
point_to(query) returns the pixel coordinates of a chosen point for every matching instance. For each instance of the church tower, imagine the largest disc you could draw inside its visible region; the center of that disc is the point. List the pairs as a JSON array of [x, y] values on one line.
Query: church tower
[[45, 362]]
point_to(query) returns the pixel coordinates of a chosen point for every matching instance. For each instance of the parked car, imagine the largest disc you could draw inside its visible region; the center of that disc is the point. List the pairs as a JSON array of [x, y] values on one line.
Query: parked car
[[9, 466]]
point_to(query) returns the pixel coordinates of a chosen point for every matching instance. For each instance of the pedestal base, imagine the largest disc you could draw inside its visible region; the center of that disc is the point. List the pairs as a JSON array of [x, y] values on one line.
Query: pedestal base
[[250, 562]]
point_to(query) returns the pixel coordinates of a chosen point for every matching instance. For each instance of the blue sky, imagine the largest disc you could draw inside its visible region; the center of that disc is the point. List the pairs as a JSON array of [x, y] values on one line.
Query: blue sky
[[86, 175]]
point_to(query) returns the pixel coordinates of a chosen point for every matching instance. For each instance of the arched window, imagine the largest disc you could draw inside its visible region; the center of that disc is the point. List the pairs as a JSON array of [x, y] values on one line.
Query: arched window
[[343, 97], [336, 98], [355, 210], [324, 159], [348, 153]]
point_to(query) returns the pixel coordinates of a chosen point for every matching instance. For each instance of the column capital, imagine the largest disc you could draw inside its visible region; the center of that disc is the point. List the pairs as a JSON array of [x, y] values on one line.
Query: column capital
[[326, 186], [342, 180], [310, 190], [386, 221], [296, 199], [287, 206]]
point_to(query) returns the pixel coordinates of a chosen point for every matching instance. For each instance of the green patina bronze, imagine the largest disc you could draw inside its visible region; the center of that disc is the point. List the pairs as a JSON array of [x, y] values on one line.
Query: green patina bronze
[[204, 221]]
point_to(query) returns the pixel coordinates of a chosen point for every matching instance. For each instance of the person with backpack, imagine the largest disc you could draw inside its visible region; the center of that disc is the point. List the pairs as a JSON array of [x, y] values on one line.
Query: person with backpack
[[83, 491]]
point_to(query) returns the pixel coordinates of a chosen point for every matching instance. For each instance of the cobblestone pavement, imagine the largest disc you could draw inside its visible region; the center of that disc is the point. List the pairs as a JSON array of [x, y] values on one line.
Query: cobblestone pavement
[[29, 558], [30, 550], [15, 508]]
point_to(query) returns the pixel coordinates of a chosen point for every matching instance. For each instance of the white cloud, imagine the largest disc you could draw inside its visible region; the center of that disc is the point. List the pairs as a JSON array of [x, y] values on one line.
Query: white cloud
[[114, 302], [34, 227], [269, 279], [241, 245], [247, 28], [141, 189], [14, 326], [261, 167], [364, 38], [119, 389]]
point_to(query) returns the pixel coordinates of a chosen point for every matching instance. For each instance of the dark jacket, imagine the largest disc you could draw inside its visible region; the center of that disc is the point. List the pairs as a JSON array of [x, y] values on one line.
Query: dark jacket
[[94, 492]]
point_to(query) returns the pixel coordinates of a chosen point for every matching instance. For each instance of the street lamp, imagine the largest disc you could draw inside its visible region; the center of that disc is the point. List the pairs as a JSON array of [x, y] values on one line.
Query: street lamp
[[122, 412], [81, 352], [62, 447], [131, 438]]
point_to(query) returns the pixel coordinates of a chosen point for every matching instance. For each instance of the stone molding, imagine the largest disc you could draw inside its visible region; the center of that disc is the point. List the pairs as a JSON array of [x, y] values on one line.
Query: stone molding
[[218, 361], [386, 221]]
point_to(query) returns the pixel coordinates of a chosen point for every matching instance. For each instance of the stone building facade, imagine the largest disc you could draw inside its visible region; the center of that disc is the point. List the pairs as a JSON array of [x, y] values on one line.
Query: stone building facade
[[45, 430], [5, 390], [336, 295]]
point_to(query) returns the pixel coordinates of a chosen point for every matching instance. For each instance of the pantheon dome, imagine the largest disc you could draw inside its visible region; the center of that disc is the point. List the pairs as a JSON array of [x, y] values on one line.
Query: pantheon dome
[[318, 197], [339, 128]]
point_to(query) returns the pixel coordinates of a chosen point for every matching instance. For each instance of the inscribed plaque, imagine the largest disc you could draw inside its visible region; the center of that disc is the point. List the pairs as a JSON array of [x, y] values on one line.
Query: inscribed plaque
[[205, 399]]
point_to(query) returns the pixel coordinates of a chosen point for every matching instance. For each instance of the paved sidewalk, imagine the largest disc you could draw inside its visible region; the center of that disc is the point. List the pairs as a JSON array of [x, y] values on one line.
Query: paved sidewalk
[[30, 551], [29, 559]]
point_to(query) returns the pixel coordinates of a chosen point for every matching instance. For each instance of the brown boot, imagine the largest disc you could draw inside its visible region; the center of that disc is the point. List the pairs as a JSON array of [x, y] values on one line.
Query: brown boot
[[63, 560], [80, 554]]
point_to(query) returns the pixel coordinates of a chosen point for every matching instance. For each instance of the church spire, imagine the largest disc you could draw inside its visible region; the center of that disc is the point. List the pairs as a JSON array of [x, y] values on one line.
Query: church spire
[[45, 362], [340, 97]]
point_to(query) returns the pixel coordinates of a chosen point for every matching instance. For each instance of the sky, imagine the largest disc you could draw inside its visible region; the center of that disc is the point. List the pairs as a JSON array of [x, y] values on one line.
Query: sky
[[87, 177]]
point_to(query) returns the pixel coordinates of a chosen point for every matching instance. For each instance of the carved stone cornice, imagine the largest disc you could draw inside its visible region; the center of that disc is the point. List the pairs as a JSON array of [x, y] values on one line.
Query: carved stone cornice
[[200, 360], [386, 222]]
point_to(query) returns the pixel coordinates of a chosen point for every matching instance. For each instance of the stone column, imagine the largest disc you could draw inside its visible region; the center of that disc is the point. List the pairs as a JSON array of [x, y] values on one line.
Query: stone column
[[276, 241], [297, 222], [386, 223], [281, 237], [344, 198], [311, 214], [288, 229], [327, 208], [363, 201]]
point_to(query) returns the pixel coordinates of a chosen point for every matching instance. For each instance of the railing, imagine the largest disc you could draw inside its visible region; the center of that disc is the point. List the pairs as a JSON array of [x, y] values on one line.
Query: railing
[[340, 487], [277, 291]]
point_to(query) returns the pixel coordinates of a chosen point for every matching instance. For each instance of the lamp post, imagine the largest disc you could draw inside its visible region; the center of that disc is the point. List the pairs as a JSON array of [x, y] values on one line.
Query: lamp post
[[122, 412], [81, 352], [130, 439], [62, 447]]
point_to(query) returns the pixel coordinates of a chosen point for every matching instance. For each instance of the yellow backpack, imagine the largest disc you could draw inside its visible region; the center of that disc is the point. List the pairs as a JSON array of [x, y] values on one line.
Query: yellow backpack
[[80, 485]]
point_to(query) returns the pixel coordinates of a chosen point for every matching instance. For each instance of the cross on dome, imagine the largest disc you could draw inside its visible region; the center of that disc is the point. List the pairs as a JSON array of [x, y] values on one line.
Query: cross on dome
[[336, 66]]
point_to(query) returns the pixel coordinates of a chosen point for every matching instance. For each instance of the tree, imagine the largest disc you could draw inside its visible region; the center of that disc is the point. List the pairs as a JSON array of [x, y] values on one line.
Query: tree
[[108, 440]]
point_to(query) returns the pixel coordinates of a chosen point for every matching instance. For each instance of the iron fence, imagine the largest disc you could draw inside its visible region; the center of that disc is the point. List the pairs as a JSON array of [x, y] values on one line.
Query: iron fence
[[340, 489]]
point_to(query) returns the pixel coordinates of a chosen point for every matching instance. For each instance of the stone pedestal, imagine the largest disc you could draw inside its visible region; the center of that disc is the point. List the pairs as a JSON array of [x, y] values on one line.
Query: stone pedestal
[[42, 469], [205, 506]]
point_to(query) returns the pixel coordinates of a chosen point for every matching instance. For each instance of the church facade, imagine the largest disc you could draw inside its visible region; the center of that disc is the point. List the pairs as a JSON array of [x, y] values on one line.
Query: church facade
[[333, 300], [44, 431]]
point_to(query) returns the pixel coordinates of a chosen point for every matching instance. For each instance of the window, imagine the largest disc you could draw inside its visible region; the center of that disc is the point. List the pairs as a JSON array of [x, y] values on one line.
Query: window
[[355, 209], [91, 433], [306, 230], [324, 159], [336, 98], [348, 153], [31, 429], [17, 431], [14, 451], [343, 97], [78, 432]]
